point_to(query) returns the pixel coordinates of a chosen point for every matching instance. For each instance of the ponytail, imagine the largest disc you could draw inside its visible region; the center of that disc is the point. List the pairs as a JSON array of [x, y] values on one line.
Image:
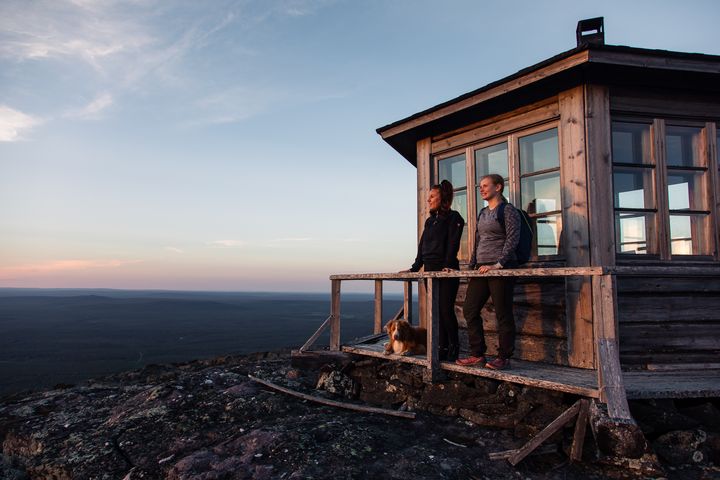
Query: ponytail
[[447, 193]]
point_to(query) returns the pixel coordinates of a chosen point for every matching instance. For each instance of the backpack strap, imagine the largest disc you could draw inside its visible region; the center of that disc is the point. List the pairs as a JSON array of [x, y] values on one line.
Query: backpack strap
[[501, 214]]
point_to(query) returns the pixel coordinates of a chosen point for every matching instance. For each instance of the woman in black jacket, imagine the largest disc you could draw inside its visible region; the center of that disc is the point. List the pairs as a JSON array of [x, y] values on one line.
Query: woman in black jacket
[[437, 251]]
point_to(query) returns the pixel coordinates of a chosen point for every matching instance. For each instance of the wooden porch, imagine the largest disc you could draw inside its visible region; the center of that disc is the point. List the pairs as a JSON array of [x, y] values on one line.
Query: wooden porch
[[606, 382]]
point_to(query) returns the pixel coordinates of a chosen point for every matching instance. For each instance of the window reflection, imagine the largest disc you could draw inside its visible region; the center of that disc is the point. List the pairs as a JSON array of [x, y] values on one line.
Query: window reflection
[[453, 170], [631, 232], [682, 146], [539, 151], [541, 193], [633, 187], [493, 159], [547, 234], [684, 190], [688, 235], [631, 143]]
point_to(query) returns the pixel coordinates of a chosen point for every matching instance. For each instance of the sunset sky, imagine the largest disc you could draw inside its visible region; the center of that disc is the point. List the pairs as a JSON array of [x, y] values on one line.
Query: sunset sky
[[231, 145]]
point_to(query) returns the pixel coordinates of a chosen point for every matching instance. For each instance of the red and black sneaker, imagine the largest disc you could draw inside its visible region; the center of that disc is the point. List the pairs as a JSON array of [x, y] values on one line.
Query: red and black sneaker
[[498, 364], [470, 361]]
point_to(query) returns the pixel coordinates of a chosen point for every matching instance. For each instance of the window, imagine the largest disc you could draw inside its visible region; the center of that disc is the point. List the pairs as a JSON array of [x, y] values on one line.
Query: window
[[687, 179], [660, 194], [540, 188], [530, 164], [633, 192], [453, 170]]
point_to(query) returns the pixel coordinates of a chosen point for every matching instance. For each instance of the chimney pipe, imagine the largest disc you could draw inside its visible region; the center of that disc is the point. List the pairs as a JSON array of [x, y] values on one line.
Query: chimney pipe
[[590, 31]]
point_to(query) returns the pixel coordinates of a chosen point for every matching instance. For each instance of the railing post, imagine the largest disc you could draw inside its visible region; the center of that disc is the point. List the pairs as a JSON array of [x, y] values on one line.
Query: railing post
[[335, 314], [407, 300], [432, 322], [422, 302], [610, 379], [378, 306]]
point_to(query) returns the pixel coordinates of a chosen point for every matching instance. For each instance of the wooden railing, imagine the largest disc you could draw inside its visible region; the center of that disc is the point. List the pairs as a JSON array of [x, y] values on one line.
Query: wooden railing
[[604, 313]]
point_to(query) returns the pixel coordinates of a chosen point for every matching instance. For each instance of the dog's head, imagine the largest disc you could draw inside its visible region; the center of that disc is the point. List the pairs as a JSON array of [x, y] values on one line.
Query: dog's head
[[390, 328], [399, 330]]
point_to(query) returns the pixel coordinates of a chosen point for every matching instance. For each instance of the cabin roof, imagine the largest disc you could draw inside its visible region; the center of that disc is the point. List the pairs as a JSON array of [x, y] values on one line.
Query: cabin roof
[[589, 63]]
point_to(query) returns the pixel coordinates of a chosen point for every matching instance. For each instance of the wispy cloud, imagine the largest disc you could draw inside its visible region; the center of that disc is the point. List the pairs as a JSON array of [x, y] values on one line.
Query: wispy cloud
[[93, 109], [62, 266], [226, 243], [14, 123], [290, 240], [174, 249]]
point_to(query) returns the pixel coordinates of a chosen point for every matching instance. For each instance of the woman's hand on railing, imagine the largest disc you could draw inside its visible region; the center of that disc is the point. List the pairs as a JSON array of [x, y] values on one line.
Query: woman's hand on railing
[[405, 271], [448, 269]]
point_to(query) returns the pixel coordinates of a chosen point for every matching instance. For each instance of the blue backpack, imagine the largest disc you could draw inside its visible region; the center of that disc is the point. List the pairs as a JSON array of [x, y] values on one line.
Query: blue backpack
[[524, 247]]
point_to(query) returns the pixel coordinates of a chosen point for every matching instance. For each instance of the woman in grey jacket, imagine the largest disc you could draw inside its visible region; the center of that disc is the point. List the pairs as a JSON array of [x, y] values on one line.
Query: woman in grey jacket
[[496, 238]]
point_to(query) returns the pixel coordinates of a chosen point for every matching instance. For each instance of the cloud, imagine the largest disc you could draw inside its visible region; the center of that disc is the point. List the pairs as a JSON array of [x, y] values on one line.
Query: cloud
[[174, 249], [226, 243], [13, 123], [62, 266], [290, 240], [94, 108]]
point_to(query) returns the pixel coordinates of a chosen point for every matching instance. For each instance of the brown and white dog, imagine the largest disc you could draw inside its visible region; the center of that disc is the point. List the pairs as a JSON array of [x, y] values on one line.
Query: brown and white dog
[[405, 339]]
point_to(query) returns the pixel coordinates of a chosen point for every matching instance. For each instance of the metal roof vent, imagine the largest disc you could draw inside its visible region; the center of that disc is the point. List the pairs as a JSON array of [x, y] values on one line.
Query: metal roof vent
[[591, 31]]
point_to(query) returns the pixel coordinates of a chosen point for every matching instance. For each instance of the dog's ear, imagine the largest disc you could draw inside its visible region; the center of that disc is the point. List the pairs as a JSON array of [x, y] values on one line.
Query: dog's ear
[[388, 326]]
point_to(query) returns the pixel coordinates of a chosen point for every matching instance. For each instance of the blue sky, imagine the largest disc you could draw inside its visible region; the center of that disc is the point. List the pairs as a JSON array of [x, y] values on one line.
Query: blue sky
[[231, 145]]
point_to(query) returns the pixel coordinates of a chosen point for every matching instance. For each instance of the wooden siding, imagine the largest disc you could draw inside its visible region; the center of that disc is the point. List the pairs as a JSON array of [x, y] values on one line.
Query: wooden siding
[[669, 321]]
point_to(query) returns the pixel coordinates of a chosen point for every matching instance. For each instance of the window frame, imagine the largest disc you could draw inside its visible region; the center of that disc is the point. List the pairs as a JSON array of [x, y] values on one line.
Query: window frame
[[707, 157]]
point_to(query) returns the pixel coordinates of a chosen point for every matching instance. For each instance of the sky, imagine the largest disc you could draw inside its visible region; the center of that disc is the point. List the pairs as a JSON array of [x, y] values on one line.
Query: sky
[[230, 145]]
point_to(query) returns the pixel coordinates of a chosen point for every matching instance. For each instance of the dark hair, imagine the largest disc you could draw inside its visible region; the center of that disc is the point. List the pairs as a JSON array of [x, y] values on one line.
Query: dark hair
[[446, 194], [497, 180]]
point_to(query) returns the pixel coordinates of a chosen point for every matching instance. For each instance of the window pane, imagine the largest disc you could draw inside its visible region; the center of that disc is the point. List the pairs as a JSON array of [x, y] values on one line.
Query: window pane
[[492, 159], [539, 151], [453, 170], [684, 190], [547, 234], [459, 203], [633, 187], [632, 232], [683, 146], [464, 254], [507, 192], [631, 143], [687, 234], [541, 193]]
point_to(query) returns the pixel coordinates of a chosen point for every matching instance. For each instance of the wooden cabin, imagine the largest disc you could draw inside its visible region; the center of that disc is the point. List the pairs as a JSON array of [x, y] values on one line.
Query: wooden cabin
[[613, 151]]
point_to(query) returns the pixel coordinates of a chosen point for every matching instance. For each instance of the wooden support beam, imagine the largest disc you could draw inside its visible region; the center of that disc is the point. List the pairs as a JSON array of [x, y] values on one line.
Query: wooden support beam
[[579, 434], [315, 335], [407, 301], [335, 315], [610, 379], [433, 373], [422, 303], [516, 456], [378, 306]]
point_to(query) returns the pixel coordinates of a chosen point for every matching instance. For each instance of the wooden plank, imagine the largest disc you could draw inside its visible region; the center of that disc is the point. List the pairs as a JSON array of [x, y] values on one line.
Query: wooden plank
[[575, 234], [662, 62], [333, 403], [711, 135], [378, 306], [423, 184], [687, 105], [335, 315], [485, 95], [495, 126], [579, 434], [313, 338], [407, 301], [599, 174], [378, 352], [433, 331], [695, 286], [670, 336], [666, 271], [545, 433], [689, 383], [422, 303], [670, 308]]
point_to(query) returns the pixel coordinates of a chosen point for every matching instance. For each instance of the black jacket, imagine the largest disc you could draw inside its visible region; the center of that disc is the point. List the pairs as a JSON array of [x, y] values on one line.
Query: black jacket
[[440, 242]]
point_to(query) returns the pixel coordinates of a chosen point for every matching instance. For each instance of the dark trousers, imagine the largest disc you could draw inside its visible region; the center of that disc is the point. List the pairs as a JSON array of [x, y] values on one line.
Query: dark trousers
[[448, 288], [478, 292], [448, 334]]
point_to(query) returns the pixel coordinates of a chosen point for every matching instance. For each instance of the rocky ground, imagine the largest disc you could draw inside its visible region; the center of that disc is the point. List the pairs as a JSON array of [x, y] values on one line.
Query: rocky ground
[[208, 420]]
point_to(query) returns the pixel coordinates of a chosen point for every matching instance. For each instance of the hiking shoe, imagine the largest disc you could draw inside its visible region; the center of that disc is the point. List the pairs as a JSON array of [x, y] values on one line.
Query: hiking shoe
[[470, 361], [498, 364]]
